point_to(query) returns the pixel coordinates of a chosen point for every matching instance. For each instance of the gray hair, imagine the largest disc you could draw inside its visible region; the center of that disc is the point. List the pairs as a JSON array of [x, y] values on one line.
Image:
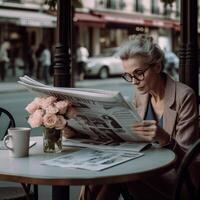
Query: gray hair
[[142, 46]]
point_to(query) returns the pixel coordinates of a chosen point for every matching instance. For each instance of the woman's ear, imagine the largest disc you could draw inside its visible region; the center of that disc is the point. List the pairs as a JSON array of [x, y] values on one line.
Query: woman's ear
[[158, 68]]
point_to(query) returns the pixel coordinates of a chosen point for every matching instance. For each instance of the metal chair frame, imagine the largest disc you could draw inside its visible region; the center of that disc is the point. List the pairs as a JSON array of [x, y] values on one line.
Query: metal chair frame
[[11, 118], [26, 187]]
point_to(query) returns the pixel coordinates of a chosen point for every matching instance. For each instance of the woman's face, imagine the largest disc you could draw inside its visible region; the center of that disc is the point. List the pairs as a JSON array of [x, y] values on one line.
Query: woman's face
[[144, 76]]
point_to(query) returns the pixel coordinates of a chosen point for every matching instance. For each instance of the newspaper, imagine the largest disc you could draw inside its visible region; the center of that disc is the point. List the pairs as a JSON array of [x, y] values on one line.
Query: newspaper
[[106, 145], [102, 115], [91, 159]]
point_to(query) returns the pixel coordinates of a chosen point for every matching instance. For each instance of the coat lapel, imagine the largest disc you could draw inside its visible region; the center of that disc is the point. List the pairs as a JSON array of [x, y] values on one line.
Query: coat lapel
[[170, 114]]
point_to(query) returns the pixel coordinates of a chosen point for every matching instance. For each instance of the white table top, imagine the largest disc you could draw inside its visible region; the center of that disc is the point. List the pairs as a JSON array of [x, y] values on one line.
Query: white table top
[[29, 169]]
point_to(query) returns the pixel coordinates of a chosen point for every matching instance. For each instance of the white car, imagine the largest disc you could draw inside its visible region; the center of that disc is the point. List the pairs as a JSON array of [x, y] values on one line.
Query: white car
[[105, 64]]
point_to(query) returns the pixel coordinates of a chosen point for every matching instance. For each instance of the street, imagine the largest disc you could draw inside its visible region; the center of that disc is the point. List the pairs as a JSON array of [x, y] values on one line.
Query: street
[[15, 102]]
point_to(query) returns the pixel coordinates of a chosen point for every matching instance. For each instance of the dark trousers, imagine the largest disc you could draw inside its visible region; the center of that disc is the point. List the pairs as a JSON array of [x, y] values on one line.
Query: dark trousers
[[45, 73], [2, 70]]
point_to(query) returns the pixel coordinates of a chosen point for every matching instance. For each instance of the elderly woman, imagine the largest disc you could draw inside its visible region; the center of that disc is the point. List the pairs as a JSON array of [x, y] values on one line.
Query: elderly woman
[[168, 109]]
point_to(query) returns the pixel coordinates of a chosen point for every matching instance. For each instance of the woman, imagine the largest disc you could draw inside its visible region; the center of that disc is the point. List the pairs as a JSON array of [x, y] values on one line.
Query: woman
[[168, 108]]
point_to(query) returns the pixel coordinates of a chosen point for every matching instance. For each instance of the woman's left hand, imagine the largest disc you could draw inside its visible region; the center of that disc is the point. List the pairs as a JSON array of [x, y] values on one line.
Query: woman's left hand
[[146, 129], [149, 131]]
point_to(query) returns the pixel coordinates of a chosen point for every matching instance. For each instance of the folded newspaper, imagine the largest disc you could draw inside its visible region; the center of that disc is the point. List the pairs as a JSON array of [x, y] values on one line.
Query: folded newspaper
[[102, 115], [91, 159]]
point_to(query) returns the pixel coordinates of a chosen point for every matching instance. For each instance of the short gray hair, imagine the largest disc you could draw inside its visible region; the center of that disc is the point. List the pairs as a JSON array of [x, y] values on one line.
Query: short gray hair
[[142, 46]]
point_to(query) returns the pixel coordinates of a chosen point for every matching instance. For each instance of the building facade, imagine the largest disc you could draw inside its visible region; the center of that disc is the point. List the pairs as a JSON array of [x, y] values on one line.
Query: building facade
[[98, 23], [26, 23], [116, 20]]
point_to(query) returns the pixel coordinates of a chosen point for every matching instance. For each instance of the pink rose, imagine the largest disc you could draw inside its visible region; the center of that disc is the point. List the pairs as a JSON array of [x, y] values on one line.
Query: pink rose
[[51, 109], [31, 107], [34, 105], [61, 122], [62, 106], [38, 100], [50, 120], [36, 119], [47, 101], [71, 113]]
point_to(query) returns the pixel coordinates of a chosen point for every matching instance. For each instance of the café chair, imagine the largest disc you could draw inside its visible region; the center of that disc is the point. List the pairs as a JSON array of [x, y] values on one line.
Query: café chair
[[184, 176], [182, 184], [14, 193]]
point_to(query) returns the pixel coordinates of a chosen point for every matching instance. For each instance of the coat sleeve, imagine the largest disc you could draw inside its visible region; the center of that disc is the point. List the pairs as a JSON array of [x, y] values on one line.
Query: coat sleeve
[[187, 131]]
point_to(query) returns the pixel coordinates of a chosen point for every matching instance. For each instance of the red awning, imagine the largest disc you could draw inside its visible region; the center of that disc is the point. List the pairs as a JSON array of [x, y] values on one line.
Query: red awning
[[87, 19], [114, 18]]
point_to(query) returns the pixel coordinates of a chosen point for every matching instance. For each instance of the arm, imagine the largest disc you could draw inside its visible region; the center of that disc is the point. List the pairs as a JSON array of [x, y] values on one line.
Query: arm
[[186, 132]]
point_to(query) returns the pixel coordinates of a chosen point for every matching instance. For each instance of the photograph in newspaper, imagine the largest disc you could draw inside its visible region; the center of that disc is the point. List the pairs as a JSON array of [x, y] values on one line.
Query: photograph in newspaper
[[91, 159], [101, 114]]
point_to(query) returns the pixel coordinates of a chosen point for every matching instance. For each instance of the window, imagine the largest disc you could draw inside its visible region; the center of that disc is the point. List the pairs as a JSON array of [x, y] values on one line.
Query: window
[[138, 6], [154, 7], [111, 4]]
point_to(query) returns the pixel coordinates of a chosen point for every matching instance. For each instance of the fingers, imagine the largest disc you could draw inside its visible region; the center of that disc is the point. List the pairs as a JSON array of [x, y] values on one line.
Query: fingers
[[68, 133], [145, 123], [145, 130]]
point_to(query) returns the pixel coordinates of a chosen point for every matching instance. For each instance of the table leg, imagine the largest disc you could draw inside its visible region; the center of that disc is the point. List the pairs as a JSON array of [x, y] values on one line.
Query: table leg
[[60, 192]]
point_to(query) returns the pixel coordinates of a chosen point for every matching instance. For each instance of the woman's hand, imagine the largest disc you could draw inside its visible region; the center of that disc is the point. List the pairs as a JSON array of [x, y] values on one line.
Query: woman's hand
[[149, 131], [145, 129], [67, 132]]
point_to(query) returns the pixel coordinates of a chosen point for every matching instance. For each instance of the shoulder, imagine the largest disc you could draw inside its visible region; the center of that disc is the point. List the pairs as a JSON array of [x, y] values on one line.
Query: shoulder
[[182, 90], [177, 90], [184, 96]]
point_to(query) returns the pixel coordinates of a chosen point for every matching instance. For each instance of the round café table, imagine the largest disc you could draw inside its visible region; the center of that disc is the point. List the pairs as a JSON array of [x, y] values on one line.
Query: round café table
[[29, 169]]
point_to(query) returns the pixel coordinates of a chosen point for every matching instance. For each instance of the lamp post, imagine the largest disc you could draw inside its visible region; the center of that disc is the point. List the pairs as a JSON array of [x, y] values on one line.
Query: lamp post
[[189, 45], [62, 67], [62, 56]]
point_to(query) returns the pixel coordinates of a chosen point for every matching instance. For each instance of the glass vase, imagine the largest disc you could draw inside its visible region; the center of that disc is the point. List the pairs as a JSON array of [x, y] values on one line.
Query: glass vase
[[52, 140]]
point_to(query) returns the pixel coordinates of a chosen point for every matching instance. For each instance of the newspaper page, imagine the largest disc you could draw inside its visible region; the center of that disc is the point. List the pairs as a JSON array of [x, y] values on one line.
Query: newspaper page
[[91, 159], [102, 115], [106, 145]]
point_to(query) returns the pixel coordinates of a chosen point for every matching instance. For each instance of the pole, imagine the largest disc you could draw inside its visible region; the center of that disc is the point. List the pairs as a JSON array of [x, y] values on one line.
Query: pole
[[62, 57], [191, 66], [183, 40]]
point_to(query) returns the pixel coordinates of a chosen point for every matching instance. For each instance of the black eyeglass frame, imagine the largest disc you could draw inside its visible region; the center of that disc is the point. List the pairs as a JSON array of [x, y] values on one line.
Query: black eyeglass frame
[[131, 76]]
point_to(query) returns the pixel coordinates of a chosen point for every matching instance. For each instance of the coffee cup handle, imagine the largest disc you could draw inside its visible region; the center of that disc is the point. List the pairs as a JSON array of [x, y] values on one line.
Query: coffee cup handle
[[33, 144], [5, 141]]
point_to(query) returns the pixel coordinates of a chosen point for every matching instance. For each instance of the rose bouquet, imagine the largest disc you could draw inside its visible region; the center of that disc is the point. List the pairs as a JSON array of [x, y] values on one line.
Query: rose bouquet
[[52, 114]]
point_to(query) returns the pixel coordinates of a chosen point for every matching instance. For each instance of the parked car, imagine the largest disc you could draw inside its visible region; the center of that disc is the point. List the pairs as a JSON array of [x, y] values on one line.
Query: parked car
[[105, 64], [172, 64]]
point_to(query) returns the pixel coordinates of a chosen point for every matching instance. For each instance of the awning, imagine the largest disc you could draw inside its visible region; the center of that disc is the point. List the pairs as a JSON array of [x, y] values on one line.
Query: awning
[[126, 19], [27, 18], [89, 19]]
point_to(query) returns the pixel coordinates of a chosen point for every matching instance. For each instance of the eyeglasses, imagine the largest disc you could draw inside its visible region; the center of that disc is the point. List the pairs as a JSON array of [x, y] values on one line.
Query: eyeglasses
[[138, 75]]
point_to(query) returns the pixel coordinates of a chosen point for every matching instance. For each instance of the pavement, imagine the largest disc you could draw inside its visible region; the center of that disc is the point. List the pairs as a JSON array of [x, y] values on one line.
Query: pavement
[[10, 83]]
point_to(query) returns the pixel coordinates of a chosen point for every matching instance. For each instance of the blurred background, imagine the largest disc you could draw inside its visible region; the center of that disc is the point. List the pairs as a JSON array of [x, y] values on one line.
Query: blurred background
[[28, 36], [30, 27]]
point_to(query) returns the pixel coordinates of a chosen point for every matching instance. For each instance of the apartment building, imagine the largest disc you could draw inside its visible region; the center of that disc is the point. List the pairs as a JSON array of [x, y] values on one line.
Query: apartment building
[[106, 23]]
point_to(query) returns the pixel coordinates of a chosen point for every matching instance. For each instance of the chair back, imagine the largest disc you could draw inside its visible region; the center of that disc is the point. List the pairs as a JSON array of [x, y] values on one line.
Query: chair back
[[184, 176], [6, 121]]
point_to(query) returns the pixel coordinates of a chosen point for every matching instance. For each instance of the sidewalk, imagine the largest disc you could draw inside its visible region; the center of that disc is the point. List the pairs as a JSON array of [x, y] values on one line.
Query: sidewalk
[[10, 84]]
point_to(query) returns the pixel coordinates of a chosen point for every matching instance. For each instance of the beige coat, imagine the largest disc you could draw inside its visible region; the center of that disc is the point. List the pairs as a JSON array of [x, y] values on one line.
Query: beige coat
[[180, 115]]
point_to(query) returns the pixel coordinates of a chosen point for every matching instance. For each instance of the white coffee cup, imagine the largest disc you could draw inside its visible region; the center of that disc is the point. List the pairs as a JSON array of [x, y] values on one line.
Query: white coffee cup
[[17, 141]]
